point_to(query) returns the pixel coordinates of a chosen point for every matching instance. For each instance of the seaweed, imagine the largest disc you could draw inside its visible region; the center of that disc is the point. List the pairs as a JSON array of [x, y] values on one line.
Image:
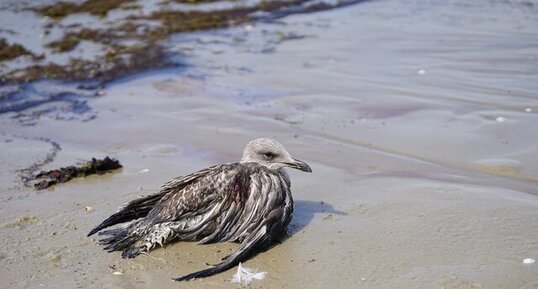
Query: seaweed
[[94, 7], [115, 64], [117, 59], [8, 52], [65, 174], [70, 40], [179, 21], [190, 1], [67, 43]]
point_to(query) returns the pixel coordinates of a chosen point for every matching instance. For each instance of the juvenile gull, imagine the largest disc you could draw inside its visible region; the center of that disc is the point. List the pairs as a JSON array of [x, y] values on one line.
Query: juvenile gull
[[248, 202]]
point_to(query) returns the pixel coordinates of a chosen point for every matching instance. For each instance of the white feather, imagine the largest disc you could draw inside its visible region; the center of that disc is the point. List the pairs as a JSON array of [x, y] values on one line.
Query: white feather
[[247, 275]]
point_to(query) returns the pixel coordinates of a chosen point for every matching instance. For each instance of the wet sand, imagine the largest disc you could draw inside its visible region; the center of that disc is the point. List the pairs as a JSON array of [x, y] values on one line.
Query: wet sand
[[418, 120]]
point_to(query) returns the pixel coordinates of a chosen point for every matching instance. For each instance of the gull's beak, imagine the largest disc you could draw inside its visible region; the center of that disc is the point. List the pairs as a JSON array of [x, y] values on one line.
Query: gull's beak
[[300, 165]]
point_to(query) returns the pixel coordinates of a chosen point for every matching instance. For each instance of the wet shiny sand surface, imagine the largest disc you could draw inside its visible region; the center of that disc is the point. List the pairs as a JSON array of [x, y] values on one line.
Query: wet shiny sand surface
[[419, 121]]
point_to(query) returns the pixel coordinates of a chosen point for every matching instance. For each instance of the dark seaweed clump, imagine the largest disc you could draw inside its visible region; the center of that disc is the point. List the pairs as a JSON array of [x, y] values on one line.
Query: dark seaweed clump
[[62, 175]]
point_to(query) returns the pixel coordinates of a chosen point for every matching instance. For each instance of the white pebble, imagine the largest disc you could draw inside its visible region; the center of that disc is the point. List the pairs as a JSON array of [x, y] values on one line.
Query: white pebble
[[528, 261], [421, 71], [500, 119], [89, 209], [144, 171], [528, 109], [117, 273]]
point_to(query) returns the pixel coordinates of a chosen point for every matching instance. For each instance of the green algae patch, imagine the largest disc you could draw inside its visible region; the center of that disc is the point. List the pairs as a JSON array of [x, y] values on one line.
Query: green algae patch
[[8, 52], [94, 7], [70, 40], [65, 174], [115, 64], [67, 43], [182, 21], [177, 22]]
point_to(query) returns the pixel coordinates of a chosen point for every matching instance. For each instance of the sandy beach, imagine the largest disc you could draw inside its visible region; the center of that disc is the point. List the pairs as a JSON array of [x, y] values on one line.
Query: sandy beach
[[419, 121]]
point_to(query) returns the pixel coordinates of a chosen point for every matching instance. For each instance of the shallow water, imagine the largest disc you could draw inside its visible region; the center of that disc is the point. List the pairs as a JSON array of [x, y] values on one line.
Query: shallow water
[[417, 118], [456, 90]]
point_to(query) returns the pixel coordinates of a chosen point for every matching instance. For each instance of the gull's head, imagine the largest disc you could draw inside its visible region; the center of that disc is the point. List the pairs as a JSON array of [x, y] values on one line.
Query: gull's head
[[272, 154]]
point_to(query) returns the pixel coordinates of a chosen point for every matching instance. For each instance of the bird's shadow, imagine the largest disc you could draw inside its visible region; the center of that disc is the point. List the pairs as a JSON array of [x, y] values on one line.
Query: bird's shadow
[[304, 212]]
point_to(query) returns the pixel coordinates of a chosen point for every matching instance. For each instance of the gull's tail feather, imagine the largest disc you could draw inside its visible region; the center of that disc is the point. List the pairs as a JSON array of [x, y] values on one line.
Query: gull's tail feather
[[247, 248], [123, 239]]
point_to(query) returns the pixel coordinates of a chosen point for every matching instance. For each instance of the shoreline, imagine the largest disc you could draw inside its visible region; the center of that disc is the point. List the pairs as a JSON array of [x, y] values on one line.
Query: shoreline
[[418, 152]]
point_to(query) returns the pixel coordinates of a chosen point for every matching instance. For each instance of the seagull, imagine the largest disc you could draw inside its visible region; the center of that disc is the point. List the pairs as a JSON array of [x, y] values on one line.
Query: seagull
[[248, 202]]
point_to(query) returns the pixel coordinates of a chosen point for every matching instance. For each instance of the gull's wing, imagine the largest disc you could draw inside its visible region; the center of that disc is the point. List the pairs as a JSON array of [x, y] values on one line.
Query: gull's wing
[[142, 206], [218, 187]]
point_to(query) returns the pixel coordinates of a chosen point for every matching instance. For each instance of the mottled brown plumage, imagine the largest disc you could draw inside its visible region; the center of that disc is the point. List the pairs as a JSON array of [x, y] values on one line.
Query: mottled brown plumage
[[248, 202]]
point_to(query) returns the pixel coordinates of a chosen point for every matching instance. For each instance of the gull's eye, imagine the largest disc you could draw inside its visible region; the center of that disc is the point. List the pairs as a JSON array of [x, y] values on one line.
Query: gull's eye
[[269, 155]]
